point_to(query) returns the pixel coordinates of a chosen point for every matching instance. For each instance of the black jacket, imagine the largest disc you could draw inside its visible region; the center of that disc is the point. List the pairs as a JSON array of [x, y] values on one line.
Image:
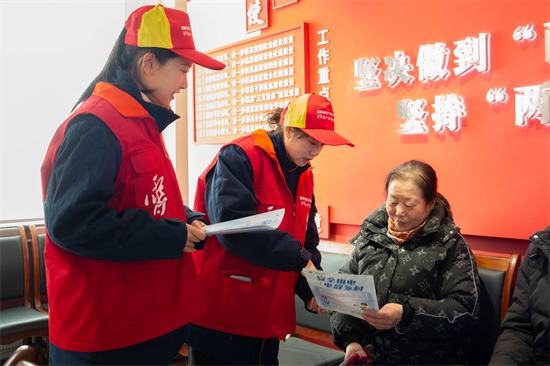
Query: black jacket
[[433, 275], [524, 332]]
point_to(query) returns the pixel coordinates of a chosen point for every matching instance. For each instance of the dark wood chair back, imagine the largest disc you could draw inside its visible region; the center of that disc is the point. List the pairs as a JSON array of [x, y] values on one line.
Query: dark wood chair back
[[511, 268], [38, 241], [18, 319], [497, 278], [15, 276]]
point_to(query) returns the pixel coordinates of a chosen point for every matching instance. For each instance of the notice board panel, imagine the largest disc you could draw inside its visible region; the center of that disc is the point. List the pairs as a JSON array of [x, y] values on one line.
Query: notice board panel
[[262, 73], [492, 159]]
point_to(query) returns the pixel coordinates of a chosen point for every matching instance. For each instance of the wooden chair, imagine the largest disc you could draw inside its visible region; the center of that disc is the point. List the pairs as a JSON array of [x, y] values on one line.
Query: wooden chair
[[17, 319], [23, 356], [38, 242], [497, 277], [511, 268]]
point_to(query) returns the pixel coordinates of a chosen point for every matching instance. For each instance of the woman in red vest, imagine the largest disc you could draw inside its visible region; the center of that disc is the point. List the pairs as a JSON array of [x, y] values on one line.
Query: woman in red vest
[[122, 283], [249, 280]]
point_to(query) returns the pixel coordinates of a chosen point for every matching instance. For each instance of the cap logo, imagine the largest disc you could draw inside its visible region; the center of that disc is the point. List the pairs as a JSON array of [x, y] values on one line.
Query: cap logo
[[325, 115], [186, 31]]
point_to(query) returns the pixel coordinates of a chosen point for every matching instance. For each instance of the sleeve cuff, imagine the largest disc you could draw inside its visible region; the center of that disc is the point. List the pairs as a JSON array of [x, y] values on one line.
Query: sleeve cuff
[[195, 216], [305, 257], [407, 316], [351, 338]]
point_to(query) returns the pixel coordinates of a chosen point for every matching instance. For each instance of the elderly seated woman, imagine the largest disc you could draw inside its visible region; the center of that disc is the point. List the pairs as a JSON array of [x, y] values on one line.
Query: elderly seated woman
[[426, 277]]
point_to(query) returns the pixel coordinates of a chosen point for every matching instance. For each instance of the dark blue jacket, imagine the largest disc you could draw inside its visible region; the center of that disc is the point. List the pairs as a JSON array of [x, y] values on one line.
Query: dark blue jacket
[[78, 218]]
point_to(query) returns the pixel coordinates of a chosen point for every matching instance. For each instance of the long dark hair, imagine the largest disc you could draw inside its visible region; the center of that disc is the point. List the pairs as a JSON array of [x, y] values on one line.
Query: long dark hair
[[423, 176], [126, 57]]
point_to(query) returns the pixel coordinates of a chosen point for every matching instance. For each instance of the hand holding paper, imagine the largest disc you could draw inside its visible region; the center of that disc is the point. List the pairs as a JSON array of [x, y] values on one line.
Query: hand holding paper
[[344, 293], [265, 221]]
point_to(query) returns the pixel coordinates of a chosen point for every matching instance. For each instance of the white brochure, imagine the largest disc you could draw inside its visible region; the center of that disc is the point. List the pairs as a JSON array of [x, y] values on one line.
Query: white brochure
[[344, 293], [265, 221]]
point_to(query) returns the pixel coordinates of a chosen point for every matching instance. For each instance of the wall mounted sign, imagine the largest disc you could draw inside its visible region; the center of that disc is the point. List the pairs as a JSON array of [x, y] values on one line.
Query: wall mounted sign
[[324, 56], [322, 220], [262, 73], [257, 15], [471, 101]]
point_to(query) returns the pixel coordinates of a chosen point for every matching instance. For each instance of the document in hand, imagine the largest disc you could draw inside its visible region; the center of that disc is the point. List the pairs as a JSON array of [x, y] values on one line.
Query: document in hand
[[265, 221], [344, 293]]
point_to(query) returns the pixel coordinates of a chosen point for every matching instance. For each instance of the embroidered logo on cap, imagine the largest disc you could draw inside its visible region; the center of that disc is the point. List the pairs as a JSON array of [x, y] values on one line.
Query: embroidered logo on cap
[[186, 31]]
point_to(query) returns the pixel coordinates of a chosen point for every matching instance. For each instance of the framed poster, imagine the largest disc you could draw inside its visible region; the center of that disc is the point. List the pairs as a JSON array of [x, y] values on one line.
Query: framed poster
[[262, 73], [256, 15]]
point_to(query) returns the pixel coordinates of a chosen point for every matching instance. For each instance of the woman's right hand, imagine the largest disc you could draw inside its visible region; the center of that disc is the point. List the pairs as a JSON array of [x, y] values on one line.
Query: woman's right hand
[[354, 348], [194, 235], [309, 265]]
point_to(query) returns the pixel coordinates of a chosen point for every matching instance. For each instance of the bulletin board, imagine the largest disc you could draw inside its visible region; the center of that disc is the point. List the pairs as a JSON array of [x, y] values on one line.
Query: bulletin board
[[262, 73], [492, 157]]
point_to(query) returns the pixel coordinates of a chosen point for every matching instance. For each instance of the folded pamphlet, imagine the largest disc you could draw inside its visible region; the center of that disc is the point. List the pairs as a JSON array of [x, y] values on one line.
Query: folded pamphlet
[[344, 293], [265, 221]]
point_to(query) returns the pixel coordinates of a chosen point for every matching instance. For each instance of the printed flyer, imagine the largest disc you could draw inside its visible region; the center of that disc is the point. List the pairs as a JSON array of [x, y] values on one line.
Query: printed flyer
[[265, 221], [344, 293]]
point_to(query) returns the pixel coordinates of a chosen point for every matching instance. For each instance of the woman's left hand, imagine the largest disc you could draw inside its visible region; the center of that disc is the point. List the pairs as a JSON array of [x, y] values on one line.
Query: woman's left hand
[[198, 224], [313, 306], [386, 318]]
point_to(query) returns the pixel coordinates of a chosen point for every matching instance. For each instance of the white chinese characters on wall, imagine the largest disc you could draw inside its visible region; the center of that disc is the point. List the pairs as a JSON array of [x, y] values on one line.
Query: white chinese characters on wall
[[469, 54], [367, 70], [413, 112], [432, 62], [324, 56], [448, 110], [472, 53], [398, 68], [532, 102], [322, 220], [256, 15]]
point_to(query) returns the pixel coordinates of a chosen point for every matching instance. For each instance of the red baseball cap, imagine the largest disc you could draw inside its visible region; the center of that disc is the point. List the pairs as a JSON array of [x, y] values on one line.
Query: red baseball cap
[[157, 26], [313, 114]]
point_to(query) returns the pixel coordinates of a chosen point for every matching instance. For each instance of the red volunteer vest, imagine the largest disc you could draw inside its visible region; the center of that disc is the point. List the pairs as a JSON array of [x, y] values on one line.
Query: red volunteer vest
[[98, 305], [263, 308]]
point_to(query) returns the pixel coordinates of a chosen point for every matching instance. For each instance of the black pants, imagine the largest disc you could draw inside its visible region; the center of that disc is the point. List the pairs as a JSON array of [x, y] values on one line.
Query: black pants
[[157, 351], [197, 358]]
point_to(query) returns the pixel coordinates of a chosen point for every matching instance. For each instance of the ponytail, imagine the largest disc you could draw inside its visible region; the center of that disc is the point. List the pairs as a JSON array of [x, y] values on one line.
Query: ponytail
[[109, 69]]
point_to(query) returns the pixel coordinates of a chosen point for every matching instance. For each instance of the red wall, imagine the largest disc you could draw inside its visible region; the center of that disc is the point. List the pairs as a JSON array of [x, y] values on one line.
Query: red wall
[[496, 175]]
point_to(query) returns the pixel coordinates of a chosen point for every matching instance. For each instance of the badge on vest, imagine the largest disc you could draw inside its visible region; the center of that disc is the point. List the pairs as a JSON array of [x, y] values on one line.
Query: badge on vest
[[158, 198]]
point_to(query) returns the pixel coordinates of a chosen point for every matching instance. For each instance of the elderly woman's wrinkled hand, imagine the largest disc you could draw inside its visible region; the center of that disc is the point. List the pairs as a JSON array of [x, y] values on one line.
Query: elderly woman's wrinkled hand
[[386, 318], [353, 349]]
